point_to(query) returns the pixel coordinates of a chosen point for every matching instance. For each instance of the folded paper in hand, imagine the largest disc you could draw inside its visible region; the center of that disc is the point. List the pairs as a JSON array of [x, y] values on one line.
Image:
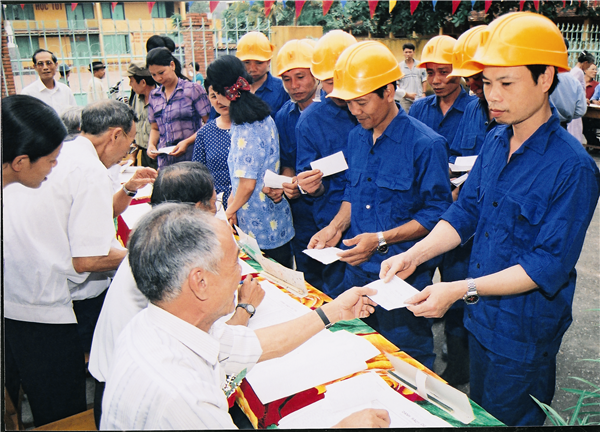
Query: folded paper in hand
[[392, 295], [463, 163], [275, 181], [325, 255], [331, 164]]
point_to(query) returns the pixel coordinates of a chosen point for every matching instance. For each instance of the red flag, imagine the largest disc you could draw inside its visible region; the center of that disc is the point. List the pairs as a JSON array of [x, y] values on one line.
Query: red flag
[[112, 5], [213, 6], [268, 6], [488, 3], [521, 4], [150, 6], [23, 6], [326, 6], [299, 5], [564, 3], [73, 7], [372, 7], [455, 4], [413, 5]]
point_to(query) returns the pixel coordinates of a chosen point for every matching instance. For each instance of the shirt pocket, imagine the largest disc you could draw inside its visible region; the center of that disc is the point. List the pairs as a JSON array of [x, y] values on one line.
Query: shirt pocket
[[469, 142], [527, 223], [394, 199]]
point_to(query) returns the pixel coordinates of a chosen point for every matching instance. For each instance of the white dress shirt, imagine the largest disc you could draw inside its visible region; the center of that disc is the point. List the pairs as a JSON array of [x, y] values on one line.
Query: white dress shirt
[[60, 97], [96, 90], [168, 374], [70, 215]]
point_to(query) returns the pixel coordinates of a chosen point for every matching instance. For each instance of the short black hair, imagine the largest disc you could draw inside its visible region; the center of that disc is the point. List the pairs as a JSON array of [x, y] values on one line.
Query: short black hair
[[197, 66], [408, 46], [29, 127], [183, 182], [158, 41], [54, 59], [224, 72], [537, 70], [149, 80], [380, 90], [586, 57]]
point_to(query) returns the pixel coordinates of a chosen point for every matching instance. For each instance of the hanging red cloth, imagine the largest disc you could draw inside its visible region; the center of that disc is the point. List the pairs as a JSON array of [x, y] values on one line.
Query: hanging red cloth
[[488, 3], [213, 6], [372, 7], [299, 5], [268, 6], [413, 5], [150, 6], [326, 6], [455, 4]]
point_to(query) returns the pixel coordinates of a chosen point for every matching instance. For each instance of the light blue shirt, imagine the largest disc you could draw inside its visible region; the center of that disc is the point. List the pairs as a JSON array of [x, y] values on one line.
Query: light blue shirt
[[569, 98]]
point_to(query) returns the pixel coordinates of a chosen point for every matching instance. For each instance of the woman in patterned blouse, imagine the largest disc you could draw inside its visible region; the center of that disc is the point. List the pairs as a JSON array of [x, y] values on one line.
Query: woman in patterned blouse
[[176, 109], [254, 149]]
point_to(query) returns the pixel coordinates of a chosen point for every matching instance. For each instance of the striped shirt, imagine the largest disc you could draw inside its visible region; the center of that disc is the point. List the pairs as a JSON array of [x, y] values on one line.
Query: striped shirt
[[168, 374]]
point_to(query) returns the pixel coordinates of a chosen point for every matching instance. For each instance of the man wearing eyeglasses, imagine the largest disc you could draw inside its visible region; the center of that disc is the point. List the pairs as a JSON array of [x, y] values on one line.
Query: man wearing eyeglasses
[[46, 88]]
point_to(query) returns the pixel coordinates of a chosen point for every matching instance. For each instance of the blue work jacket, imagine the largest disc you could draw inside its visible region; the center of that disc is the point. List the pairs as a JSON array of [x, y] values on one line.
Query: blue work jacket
[[286, 120], [273, 93], [531, 211], [403, 176], [323, 130], [428, 111], [472, 129]]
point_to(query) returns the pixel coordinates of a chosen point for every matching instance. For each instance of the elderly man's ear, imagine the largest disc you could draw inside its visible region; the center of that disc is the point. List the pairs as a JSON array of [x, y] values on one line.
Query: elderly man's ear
[[198, 283]]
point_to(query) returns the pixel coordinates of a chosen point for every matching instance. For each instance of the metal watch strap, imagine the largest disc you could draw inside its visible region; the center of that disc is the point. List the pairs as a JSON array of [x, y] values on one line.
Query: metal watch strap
[[471, 296], [323, 317], [128, 192]]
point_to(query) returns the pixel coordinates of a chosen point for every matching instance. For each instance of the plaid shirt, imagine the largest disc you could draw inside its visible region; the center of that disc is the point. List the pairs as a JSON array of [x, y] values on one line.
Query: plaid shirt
[[181, 116]]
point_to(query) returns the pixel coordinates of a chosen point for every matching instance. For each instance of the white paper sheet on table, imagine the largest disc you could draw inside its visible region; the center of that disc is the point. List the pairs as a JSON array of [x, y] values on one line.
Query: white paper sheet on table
[[325, 357], [134, 213], [275, 181], [277, 307], [392, 295], [357, 393], [459, 180], [165, 150], [463, 163], [325, 255], [331, 164]]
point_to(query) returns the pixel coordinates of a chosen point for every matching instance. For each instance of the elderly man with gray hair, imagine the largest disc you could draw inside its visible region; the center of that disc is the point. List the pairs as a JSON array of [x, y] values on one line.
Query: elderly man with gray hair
[[59, 242], [171, 360]]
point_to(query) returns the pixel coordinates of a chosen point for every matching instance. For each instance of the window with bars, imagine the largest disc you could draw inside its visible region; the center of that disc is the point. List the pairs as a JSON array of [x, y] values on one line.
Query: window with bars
[[118, 13]]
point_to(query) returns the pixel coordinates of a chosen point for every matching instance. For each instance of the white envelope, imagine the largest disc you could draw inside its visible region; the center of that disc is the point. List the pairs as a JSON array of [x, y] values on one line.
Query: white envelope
[[166, 150], [331, 164], [325, 255], [275, 181], [392, 295], [463, 163]]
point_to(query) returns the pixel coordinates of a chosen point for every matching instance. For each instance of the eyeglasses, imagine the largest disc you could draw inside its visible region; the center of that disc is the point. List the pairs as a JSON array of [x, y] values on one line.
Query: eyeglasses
[[46, 63], [218, 204]]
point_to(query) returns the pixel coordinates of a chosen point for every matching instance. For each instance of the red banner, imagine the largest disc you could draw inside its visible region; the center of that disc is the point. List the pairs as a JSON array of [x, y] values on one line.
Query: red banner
[[455, 4], [268, 6], [299, 5], [372, 7], [112, 5], [326, 6], [73, 7], [150, 6], [488, 3], [413, 5], [213, 6], [536, 4]]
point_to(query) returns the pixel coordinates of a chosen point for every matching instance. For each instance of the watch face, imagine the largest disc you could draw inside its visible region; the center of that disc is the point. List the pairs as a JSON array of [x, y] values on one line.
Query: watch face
[[250, 309], [471, 299], [382, 249]]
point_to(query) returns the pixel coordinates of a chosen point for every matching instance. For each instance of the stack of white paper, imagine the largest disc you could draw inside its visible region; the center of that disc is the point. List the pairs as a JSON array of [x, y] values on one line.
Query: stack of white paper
[[134, 213], [277, 307], [325, 357], [357, 393], [459, 180], [463, 163]]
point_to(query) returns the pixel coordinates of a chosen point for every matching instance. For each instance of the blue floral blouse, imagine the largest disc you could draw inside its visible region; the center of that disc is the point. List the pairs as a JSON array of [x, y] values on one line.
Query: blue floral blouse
[[254, 149]]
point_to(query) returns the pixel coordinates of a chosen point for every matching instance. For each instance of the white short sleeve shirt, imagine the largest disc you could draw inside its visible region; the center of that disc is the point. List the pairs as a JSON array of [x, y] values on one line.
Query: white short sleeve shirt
[[168, 374], [70, 215], [96, 90], [60, 97]]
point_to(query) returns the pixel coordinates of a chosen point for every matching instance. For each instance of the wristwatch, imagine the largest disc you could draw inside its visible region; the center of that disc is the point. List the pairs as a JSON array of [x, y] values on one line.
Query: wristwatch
[[128, 192], [248, 308], [382, 246], [471, 297]]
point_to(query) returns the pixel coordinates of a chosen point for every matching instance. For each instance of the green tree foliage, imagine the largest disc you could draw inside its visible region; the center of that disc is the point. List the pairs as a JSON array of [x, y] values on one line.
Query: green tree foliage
[[200, 7], [355, 17]]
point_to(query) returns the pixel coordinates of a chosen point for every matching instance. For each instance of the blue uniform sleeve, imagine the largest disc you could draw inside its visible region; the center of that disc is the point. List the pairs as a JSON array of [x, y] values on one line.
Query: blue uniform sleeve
[[287, 138], [455, 145], [434, 183]]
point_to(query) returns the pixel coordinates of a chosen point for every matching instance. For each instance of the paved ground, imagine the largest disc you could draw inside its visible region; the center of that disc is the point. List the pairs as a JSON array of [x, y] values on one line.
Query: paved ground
[[582, 340]]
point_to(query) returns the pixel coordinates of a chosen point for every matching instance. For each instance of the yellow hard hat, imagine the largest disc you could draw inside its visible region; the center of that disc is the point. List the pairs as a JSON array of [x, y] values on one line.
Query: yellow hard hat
[[521, 39], [327, 51], [438, 50], [254, 46], [294, 54], [464, 50], [363, 68]]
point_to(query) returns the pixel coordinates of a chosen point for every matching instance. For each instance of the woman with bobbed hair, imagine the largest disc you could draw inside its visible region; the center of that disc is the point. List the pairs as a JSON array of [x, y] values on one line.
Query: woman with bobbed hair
[[254, 149], [32, 135], [176, 110]]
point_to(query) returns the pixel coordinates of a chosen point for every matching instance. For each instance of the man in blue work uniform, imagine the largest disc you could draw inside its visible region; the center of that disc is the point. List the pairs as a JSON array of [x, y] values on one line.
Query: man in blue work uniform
[[293, 66], [255, 51], [322, 130], [398, 187], [518, 204], [443, 110]]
